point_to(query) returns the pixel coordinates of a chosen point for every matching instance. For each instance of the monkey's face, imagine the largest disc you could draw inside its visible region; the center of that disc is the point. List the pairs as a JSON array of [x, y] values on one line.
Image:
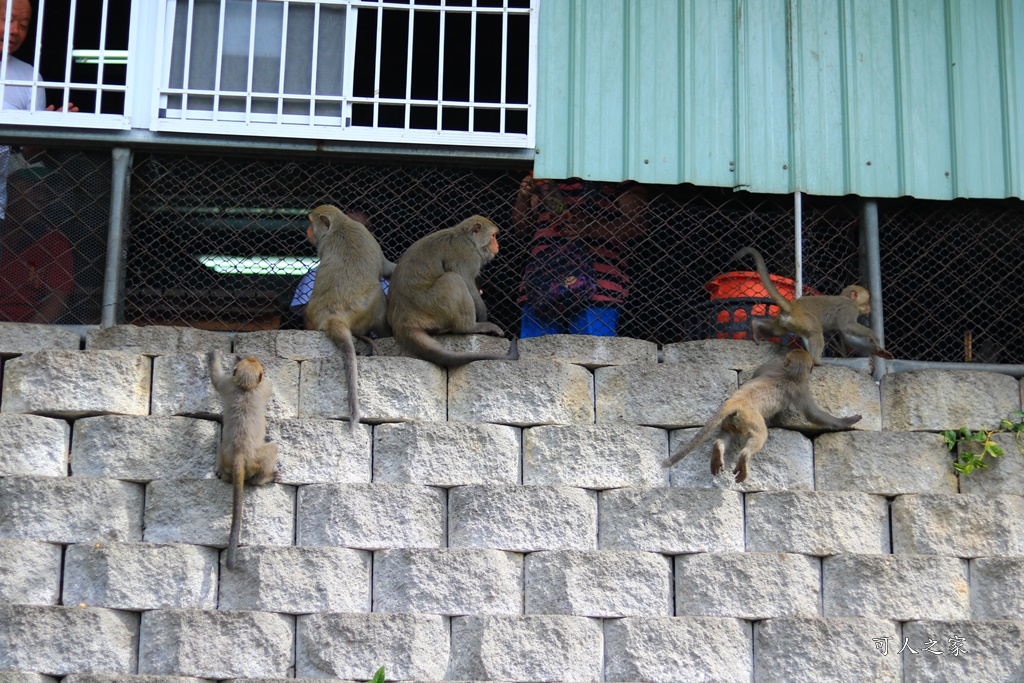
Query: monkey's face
[[248, 374], [310, 232]]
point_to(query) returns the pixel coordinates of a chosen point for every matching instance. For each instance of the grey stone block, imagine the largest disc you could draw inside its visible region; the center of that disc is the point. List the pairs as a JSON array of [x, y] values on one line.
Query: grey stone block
[[25, 677], [1004, 474], [529, 649], [145, 448], [75, 384], [817, 522], [390, 389], [594, 456], [156, 340], [997, 588], [446, 453], [934, 400], [522, 518], [297, 580], [199, 511], [448, 581], [320, 451], [964, 525], [371, 516], [671, 520], [807, 650], [598, 583], [29, 572], [748, 585], [33, 446], [785, 463], [886, 463], [70, 509], [672, 649], [182, 386], [215, 643], [353, 646], [986, 651], [129, 678], [140, 576], [898, 587], [841, 392], [521, 393], [672, 396], [18, 338], [589, 351], [732, 354], [288, 344], [61, 640]]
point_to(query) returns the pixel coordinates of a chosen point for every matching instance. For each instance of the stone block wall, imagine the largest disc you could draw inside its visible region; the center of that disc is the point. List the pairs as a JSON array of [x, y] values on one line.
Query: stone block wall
[[504, 521]]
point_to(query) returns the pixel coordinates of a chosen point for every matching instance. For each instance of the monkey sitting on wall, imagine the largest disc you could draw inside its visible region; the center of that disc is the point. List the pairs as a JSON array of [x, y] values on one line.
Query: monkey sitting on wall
[[434, 291], [243, 456], [347, 299], [810, 316], [774, 386]]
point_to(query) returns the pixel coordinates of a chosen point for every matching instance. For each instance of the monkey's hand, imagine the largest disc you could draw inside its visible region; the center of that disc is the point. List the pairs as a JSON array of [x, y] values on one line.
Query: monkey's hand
[[882, 353]]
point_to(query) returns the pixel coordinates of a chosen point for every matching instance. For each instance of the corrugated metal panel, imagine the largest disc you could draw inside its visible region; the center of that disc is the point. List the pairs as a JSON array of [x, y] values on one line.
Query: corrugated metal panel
[[879, 98]]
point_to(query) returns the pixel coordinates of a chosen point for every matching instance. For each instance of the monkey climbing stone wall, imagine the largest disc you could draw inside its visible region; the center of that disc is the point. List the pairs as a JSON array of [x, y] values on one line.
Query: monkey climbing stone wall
[[501, 521]]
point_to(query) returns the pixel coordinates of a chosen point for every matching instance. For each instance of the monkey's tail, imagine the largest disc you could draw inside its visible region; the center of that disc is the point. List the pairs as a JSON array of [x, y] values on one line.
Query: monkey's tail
[[342, 338], [762, 272], [428, 348], [237, 489], [700, 437]]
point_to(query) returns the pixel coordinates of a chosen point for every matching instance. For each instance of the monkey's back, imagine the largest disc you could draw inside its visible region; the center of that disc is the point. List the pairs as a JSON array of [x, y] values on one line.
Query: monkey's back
[[419, 268], [348, 278], [245, 423]]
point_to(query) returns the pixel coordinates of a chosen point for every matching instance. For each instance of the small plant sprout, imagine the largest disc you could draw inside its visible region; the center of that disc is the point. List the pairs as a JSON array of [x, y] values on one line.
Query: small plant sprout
[[974, 446]]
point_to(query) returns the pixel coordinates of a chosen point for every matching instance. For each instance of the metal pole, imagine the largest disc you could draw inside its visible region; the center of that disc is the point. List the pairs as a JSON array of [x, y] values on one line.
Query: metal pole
[[113, 278], [872, 257], [798, 238]]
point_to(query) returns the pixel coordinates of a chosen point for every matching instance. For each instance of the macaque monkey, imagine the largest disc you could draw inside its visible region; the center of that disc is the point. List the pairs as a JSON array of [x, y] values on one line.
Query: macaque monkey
[[810, 316], [243, 456], [347, 299], [774, 386], [434, 291]]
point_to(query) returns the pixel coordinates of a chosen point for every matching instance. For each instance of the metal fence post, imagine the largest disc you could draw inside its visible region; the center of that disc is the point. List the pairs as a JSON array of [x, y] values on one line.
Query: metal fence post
[[871, 253], [113, 279]]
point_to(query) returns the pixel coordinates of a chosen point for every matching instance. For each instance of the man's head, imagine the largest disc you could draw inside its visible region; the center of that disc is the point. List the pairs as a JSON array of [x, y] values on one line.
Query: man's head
[[17, 30]]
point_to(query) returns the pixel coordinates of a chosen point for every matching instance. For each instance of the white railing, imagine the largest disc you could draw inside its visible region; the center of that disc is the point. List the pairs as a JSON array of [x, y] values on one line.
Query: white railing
[[416, 71]]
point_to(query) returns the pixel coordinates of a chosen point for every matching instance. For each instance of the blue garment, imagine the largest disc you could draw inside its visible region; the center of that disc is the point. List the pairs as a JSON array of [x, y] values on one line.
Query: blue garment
[[598, 321]]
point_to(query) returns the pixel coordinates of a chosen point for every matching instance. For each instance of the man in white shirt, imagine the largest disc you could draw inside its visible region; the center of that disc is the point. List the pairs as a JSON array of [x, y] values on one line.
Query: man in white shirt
[[18, 96]]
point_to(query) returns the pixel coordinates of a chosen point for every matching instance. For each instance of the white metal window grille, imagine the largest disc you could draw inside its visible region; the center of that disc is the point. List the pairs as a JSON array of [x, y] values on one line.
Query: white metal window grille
[[74, 52], [420, 71]]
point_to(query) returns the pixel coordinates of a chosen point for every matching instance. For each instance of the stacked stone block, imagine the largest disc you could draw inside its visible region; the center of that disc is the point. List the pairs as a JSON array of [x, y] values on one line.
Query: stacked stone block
[[503, 521]]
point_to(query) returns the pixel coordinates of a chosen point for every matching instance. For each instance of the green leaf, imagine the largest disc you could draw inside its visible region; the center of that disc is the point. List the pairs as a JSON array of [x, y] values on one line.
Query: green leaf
[[994, 449], [379, 676]]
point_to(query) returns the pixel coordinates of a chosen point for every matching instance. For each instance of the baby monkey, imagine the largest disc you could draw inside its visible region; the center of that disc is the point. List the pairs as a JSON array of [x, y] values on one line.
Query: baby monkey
[[243, 456], [775, 386], [810, 316]]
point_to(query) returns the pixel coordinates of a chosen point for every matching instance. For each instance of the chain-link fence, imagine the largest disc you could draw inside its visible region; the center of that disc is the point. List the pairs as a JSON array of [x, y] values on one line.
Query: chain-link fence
[[219, 243]]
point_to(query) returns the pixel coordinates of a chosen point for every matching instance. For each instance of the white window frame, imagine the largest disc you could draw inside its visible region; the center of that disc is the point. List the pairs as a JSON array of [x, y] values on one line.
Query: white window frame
[[339, 127], [68, 119]]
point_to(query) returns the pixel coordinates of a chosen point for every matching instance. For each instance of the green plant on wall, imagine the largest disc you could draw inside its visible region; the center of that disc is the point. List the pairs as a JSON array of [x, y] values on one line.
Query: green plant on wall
[[379, 676], [974, 447]]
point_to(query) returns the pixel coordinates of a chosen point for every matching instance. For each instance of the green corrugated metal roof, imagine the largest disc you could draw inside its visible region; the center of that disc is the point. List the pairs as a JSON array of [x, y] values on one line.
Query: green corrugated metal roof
[[880, 98]]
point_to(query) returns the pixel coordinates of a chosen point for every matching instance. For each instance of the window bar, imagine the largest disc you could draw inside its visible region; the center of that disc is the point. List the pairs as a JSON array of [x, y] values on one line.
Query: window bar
[[103, 56], [188, 59], [504, 68], [408, 68], [66, 98], [284, 51], [220, 60], [376, 67], [472, 69], [252, 55], [440, 68], [3, 62], [38, 55], [316, 63]]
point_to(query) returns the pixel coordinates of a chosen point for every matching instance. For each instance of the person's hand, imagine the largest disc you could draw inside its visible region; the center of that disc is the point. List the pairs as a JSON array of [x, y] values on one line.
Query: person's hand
[[71, 107]]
